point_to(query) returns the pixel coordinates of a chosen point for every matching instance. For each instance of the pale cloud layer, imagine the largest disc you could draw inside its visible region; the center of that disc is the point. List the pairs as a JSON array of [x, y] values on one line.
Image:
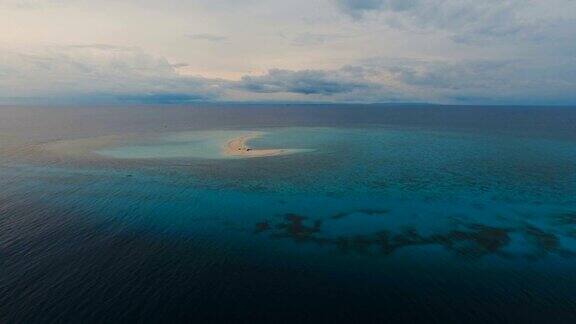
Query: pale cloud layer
[[443, 51]]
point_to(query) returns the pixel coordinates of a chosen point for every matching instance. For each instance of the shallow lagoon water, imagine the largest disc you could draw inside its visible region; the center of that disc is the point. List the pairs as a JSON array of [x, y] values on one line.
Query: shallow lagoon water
[[372, 222], [207, 144], [191, 144]]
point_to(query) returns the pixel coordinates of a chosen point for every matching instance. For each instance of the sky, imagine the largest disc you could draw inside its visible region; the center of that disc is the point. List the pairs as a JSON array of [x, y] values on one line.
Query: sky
[[337, 51]]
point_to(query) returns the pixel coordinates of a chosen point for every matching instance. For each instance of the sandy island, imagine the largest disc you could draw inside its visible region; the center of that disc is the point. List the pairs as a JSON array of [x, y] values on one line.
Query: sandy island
[[88, 148], [238, 147]]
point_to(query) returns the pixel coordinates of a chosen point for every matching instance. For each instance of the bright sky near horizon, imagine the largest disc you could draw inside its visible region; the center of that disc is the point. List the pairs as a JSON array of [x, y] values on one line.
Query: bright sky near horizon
[[438, 51]]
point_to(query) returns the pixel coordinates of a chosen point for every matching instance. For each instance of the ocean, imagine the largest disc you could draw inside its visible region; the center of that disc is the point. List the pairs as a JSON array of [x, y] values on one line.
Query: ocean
[[380, 213]]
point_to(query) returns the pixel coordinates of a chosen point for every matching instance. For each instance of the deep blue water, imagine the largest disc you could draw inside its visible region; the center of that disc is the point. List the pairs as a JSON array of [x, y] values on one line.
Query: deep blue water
[[401, 214]]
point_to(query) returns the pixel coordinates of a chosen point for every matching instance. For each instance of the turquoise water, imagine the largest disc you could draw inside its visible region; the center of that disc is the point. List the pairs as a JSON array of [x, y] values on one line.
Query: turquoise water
[[193, 144], [350, 188], [442, 224], [206, 144]]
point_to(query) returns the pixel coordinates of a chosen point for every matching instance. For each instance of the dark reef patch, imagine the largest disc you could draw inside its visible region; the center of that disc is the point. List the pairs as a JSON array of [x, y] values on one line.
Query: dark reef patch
[[545, 241], [261, 227], [374, 211], [471, 240], [474, 240], [568, 218], [295, 227], [371, 212]]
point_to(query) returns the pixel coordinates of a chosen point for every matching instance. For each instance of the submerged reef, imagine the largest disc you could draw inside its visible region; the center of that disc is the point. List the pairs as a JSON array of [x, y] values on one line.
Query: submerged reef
[[468, 240]]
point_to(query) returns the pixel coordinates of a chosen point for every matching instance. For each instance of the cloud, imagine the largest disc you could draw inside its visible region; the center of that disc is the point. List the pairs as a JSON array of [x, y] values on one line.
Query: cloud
[[306, 82], [312, 39], [99, 72], [439, 13], [33, 4], [180, 65], [471, 21], [207, 37], [358, 8], [162, 98], [347, 84], [527, 81]]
